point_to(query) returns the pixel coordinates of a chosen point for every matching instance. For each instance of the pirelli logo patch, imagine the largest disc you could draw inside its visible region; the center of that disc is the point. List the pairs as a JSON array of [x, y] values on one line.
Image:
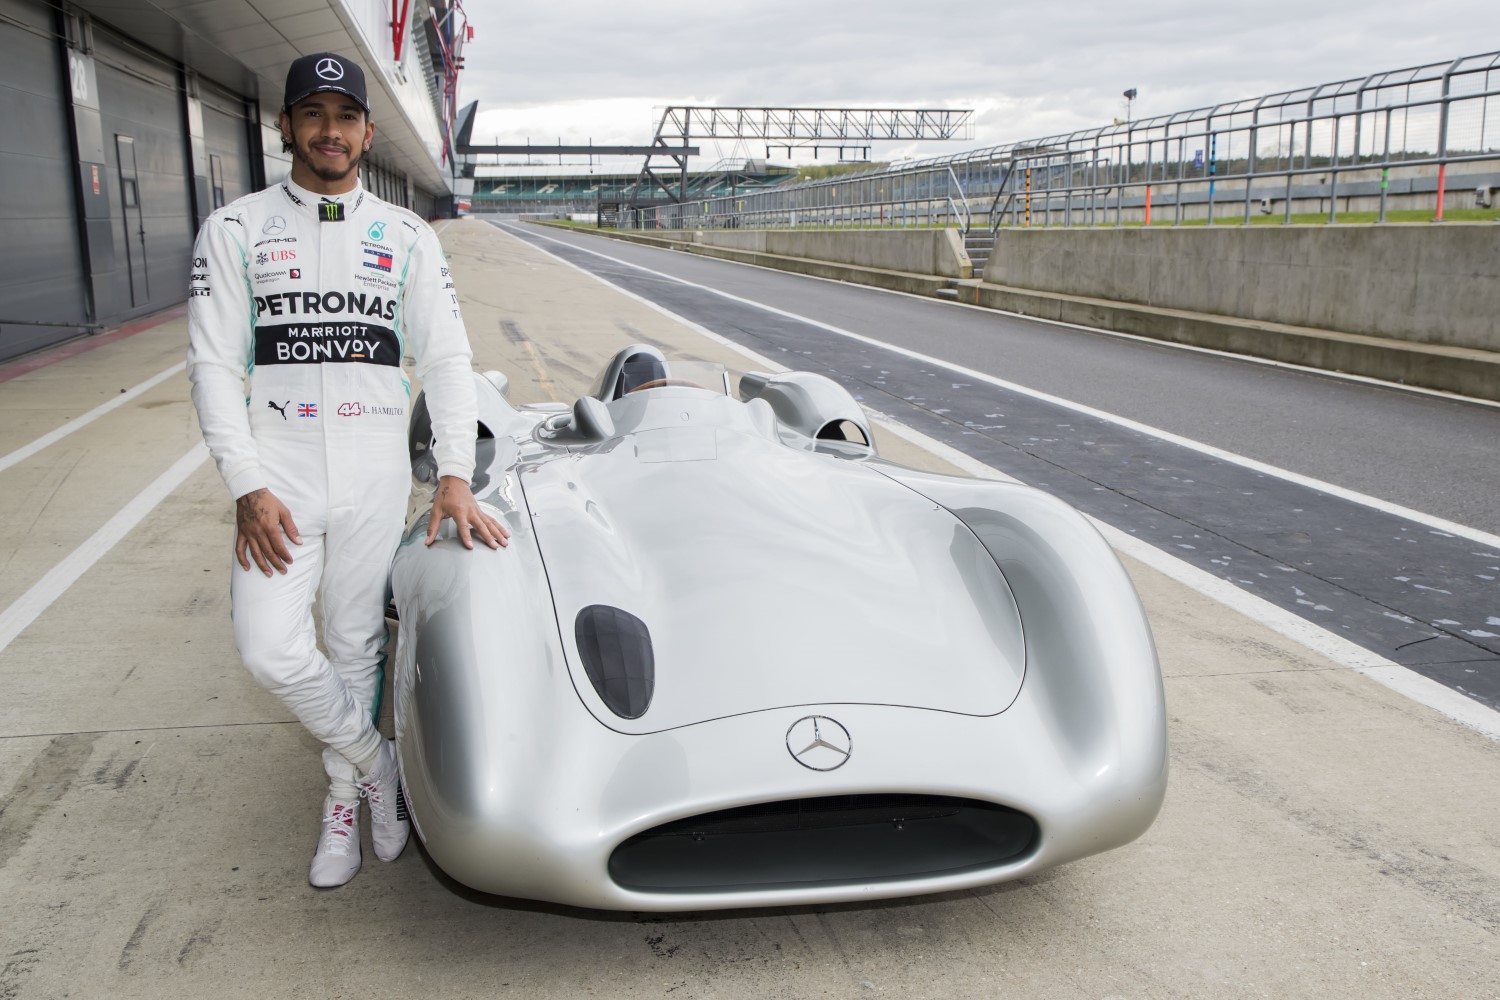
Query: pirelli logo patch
[[328, 342]]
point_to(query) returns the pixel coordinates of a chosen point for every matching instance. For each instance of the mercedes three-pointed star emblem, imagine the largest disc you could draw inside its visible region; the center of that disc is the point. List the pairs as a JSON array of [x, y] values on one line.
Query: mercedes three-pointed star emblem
[[329, 69], [819, 743]]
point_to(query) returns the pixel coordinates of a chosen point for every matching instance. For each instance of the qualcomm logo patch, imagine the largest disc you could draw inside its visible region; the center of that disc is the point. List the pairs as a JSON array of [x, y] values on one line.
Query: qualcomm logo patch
[[329, 69], [819, 743]]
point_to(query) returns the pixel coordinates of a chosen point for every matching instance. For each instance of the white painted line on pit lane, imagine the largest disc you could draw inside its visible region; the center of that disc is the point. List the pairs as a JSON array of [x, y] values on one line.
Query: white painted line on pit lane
[[52, 437], [763, 363], [758, 360], [27, 607], [1402, 680], [1375, 503], [1379, 383], [1174, 345], [1337, 376]]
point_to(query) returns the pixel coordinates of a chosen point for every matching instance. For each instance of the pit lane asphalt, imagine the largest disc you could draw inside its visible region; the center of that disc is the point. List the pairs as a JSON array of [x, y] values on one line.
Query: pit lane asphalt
[[1416, 595], [1323, 836]]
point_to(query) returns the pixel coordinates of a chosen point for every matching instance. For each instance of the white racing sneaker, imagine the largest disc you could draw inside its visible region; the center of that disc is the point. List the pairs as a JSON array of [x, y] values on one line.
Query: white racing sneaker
[[337, 857], [382, 787]]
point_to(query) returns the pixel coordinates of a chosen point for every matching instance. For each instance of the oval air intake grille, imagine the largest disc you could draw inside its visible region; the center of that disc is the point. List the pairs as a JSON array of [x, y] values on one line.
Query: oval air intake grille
[[616, 650], [833, 839]]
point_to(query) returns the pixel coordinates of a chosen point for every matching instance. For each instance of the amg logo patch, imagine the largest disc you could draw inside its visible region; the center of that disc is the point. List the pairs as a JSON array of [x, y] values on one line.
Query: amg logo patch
[[320, 343]]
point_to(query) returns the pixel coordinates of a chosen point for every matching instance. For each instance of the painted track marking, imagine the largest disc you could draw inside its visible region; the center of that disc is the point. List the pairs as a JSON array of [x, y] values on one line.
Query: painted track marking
[[26, 608], [52, 437], [1394, 676], [1250, 359], [1365, 500]]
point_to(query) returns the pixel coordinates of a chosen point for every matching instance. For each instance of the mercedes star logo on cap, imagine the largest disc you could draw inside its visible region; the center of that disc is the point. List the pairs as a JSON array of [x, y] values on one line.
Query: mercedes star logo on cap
[[819, 743], [321, 71]]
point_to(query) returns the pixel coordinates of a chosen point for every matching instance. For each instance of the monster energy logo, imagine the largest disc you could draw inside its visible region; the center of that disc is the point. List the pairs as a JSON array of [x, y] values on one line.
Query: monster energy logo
[[331, 211]]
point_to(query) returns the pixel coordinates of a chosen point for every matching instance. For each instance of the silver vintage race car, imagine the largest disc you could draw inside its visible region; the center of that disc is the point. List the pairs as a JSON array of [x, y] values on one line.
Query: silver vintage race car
[[733, 658]]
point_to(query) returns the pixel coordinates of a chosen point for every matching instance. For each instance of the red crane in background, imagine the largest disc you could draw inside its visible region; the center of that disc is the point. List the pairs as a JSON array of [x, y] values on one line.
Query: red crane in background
[[452, 32]]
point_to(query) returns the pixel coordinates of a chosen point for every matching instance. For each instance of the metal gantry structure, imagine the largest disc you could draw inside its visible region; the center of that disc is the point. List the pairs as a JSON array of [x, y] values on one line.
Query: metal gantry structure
[[842, 129]]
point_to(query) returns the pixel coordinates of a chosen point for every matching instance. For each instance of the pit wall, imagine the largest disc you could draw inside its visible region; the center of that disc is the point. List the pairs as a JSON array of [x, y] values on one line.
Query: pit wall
[[1409, 188], [1420, 282], [936, 252]]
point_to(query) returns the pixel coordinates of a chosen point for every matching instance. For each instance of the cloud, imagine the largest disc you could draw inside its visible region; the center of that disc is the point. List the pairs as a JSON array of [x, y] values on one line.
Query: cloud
[[591, 69]]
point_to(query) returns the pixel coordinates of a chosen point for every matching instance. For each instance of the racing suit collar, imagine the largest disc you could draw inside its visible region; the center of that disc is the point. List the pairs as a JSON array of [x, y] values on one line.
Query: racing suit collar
[[307, 201]]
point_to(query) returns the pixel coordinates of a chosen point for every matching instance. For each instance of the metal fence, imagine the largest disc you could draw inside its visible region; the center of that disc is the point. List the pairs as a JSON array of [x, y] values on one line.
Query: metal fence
[[909, 196], [1409, 138]]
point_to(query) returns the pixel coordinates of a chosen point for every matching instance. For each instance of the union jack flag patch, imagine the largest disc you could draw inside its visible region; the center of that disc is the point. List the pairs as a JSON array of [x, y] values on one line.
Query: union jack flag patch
[[307, 409]]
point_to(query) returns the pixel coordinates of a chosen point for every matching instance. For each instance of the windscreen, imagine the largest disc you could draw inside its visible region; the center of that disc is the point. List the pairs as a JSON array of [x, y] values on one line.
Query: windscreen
[[652, 373]]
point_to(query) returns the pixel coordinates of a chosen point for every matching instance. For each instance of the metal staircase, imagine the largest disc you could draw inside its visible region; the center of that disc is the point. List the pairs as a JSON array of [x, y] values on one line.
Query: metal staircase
[[978, 243]]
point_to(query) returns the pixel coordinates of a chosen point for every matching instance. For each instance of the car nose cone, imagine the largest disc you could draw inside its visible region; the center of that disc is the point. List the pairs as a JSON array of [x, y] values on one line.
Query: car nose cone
[[819, 743]]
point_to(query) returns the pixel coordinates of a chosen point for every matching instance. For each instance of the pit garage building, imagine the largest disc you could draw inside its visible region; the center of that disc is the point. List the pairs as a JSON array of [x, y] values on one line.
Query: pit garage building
[[128, 121]]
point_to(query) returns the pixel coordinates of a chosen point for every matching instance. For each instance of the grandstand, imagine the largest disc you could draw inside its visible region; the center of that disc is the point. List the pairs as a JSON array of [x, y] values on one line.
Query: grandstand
[[546, 189]]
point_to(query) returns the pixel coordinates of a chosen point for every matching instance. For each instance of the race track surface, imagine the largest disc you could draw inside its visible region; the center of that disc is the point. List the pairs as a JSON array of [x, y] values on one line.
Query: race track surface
[[1324, 835], [1416, 594]]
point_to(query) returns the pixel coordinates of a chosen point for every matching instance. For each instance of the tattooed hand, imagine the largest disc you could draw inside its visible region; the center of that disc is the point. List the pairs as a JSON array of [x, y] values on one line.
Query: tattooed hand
[[455, 500], [262, 525]]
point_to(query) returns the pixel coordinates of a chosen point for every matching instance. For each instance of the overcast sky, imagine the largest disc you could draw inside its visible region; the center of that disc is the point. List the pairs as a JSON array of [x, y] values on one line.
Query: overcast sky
[[595, 70]]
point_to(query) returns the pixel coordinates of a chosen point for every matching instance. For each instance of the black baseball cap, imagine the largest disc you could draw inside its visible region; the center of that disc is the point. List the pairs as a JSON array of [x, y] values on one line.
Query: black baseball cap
[[325, 71]]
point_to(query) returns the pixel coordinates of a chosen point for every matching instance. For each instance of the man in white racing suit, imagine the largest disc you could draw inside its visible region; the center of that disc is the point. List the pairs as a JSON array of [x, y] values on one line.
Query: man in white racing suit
[[313, 290]]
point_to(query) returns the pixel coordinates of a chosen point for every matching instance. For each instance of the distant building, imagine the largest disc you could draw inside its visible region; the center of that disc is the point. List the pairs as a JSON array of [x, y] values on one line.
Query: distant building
[[536, 189]]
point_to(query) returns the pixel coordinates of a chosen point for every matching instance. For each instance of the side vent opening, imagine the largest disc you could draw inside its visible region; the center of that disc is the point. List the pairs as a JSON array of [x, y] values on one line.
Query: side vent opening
[[615, 647], [824, 841]]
